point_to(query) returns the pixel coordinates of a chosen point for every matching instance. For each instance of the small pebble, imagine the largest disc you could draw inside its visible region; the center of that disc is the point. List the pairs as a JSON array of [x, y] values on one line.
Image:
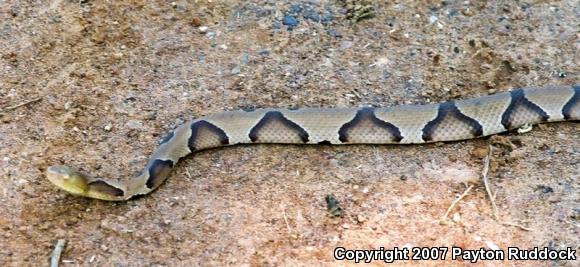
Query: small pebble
[[456, 217], [545, 189], [108, 127], [196, 22], [562, 74], [236, 70], [290, 21], [203, 29], [433, 19], [264, 52], [334, 33]]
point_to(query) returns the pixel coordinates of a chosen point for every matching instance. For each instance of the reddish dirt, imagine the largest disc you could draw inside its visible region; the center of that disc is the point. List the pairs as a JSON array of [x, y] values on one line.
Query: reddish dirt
[[114, 77]]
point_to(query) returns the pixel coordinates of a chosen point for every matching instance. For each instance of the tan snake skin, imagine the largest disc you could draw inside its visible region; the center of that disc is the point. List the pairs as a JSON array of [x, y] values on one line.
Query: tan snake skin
[[449, 121]]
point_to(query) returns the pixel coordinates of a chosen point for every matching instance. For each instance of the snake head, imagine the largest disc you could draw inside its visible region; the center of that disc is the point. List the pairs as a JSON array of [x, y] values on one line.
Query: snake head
[[68, 180], [73, 182]]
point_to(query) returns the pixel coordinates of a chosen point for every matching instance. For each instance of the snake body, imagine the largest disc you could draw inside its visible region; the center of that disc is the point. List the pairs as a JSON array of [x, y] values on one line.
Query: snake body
[[449, 121]]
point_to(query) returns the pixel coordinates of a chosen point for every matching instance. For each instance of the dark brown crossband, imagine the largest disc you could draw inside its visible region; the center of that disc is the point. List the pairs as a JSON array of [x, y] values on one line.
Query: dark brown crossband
[[158, 171], [448, 111], [200, 126], [572, 103], [104, 187], [519, 101], [365, 115], [277, 117]]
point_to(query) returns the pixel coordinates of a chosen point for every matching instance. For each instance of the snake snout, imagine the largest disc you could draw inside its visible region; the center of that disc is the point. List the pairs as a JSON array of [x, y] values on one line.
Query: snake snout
[[67, 179]]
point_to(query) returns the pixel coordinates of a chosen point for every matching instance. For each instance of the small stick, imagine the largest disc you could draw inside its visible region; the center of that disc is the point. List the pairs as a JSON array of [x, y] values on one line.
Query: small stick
[[518, 226], [286, 220], [21, 104], [492, 196], [55, 256], [486, 182], [455, 202]]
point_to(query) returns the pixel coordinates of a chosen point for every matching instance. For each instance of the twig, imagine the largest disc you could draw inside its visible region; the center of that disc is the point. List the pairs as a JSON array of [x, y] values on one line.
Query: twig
[[21, 104], [455, 202], [518, 226], [55, 256], [492, 195], [286, 220], [486, 182]]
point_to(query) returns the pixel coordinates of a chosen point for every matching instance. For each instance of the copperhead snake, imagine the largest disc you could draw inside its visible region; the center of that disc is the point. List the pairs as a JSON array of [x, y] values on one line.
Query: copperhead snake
[[417, 124]]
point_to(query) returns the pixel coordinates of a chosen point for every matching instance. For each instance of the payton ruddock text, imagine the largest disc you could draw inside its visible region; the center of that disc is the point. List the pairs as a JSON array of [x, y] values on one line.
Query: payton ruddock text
[[456, 253]]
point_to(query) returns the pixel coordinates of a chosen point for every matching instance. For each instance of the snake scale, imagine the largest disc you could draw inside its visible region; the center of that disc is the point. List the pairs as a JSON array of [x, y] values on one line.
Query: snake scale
[[416, 124]]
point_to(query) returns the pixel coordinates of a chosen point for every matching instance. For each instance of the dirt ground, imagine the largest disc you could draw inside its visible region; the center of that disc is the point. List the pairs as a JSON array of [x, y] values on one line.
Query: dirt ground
[[110, 78]]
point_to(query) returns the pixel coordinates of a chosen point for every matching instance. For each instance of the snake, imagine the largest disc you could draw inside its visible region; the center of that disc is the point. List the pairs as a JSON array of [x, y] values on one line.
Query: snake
[[404, 124]]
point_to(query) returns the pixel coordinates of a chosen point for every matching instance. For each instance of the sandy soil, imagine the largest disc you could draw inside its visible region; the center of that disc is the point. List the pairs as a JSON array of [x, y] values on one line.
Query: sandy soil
[[113, 77]]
